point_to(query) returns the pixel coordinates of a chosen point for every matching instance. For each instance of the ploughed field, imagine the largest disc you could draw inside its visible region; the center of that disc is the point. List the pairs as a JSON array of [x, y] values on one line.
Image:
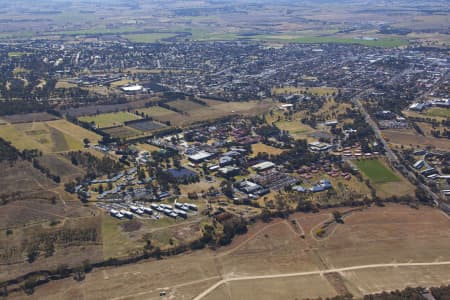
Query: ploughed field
[[375, 249]]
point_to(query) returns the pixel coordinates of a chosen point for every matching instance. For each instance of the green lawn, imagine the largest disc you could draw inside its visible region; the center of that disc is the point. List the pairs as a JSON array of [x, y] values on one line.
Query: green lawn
[[109, 119], [376, 171]]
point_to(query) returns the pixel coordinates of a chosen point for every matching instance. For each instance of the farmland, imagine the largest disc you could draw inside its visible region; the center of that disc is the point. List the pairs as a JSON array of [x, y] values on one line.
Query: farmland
[[147, 37], [376, 171], [274, 249], [49, 137], [109, 119], [382, 42]]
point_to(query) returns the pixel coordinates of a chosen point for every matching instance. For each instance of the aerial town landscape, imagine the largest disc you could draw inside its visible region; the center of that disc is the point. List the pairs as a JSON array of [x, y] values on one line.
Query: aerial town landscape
[[225, 149]]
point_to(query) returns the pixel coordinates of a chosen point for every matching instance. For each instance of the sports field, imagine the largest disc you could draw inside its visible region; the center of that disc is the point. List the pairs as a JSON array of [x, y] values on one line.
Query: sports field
[[376, 171], [110, 119]]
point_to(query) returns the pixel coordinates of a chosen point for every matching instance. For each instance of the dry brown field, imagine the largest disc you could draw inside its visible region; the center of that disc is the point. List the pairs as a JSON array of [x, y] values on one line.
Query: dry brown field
[[408, 138], [262, 148], [291, 266]]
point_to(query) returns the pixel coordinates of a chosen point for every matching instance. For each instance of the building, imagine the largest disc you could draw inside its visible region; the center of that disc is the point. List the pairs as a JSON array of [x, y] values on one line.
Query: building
[[200, 156], [319, 147], [225, 161], [323, 185], [331, 123], [265, 165], [249, 187], [417, 106], [132, 88], [229, 171]]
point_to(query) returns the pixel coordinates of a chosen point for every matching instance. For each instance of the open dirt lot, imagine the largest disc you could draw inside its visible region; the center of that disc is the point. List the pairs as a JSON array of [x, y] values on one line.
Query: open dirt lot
[[373, 250]]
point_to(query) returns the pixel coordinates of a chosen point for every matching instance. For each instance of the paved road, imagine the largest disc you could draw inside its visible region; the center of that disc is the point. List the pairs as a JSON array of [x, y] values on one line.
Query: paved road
[[318, 272], [392, 157]]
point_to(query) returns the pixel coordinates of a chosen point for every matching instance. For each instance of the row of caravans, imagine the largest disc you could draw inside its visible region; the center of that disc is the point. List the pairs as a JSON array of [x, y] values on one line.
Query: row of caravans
[[180, 210]]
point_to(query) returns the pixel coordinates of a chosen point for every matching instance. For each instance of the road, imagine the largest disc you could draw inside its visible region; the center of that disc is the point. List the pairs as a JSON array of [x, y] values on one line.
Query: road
[[318, 272], [392, 157]]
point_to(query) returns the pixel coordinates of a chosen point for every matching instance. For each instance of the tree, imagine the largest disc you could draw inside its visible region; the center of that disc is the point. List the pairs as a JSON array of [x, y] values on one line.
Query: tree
[[29, 285], [157, 253], [100, 189], [32, 253], [227, 188], [49, 248], [338, 216], [62, 270], [78, 273], [87, 267], [148, 245]]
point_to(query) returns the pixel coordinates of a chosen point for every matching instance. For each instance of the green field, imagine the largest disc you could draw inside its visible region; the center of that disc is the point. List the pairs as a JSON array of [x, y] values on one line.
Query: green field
[[17, 54], [147, 37], [376, 171], [207, 35], [49, 137], [109, 119], [382, 42], [438, 112]]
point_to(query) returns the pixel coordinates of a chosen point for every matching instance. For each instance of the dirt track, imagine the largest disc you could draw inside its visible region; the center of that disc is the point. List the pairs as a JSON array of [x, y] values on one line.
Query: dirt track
[[321, 272]]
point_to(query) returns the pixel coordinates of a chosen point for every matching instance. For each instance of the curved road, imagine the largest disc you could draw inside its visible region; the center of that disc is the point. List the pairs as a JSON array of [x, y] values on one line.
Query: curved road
[[319, 272]]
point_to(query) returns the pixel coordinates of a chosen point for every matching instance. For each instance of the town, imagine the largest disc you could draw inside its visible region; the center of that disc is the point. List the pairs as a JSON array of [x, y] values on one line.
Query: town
[[238, 153]]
